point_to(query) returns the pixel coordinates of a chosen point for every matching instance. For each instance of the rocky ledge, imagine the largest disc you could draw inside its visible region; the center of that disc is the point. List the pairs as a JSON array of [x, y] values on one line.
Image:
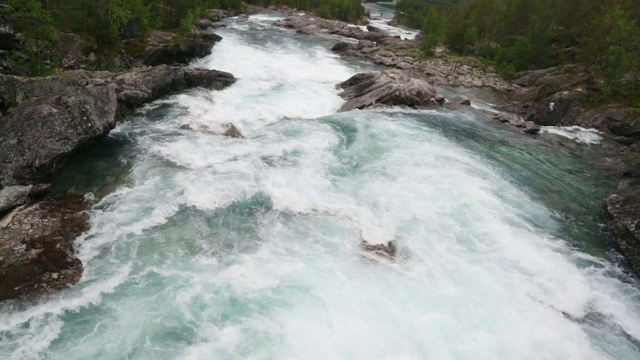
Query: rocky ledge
[[387, 88], [43, 121], [622, 210], [53, 117], [36, 247]]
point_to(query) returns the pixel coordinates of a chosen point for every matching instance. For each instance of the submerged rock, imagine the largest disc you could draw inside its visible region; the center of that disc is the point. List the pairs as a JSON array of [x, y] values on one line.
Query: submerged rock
[[388, 88], [390, 249], [230, 130], [622, 211], [36, 251]]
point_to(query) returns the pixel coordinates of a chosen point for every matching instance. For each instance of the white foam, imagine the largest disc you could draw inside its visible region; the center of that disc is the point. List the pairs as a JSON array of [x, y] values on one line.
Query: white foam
[[577, 133]]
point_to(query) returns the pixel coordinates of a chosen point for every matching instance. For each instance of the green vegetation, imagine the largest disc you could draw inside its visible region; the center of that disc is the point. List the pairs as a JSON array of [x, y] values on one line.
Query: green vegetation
[[107, 22], [517, 35]]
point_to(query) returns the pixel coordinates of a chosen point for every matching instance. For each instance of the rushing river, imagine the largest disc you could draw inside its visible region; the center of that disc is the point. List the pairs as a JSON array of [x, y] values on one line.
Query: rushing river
[[207, 247]]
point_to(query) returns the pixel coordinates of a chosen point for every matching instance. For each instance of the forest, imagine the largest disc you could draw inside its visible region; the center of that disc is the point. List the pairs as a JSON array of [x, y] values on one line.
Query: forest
[[517, 35], [108, 22]]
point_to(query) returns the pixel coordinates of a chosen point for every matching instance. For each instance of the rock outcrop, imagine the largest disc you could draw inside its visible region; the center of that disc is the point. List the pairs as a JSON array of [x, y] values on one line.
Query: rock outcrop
[[36, 252], [37, 137], [143, 85], [310, 25], [622, 210], [387, 88], [162, 48]]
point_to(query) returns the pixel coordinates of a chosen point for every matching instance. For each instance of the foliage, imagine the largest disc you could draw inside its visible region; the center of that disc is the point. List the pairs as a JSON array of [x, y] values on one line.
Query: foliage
[[36, 25], [518, 35]]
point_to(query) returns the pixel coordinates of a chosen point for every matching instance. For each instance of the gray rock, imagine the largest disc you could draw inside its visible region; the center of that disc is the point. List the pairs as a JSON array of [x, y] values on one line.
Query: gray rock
[[388, 88], [531, 128], [390, 249], [461, 100], [13, 196], [622, 211], [616, 119], [37, 137], [232, 131], [143, 85], [163, 51], [36, 251]]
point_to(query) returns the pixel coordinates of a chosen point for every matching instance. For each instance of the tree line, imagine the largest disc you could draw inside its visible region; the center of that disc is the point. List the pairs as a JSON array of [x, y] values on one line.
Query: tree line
[[517, 35], [108, 22]]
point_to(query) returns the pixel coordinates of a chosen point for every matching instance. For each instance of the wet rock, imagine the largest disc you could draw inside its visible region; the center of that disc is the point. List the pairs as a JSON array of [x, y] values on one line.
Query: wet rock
[[372, 28], [318, 26], [531, 128], [461, 100], [229, 130], [617, 119], [232, 131], [389, 249], [342, 47], [38, 136], [36, 247], [162, 49], [143, 85], [622, 211], [388, 88], [13, 196]]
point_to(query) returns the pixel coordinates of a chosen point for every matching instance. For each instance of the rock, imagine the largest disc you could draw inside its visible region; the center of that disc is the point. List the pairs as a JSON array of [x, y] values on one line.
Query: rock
[[36, 248], [389, 249], [342, 47], [372, 28], [15, 90], [203, 24], [162, 50], [232, 131], [13, 196], [461, 100], [38, 136], [511, 119], [143, 85], [531, 128], [389, 88], [318, 26], [39, 191], [218, 14], [622, 211], [616, 119]]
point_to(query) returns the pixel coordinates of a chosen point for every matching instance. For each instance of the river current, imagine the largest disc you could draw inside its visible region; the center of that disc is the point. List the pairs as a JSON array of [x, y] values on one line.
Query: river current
[[207, 247]]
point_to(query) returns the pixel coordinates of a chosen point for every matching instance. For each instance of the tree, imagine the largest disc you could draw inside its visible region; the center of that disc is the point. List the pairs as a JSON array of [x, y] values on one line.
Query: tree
[[36, 24], [433, 32]]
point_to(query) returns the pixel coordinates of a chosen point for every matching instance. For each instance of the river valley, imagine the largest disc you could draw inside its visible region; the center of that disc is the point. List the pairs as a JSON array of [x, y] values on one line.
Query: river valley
[[211, 247]]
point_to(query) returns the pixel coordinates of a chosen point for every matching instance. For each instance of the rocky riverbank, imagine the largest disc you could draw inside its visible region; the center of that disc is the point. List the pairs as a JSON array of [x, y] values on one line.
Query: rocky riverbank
[[45, 120]]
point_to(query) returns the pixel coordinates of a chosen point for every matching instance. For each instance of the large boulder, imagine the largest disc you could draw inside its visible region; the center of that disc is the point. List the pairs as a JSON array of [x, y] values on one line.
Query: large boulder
[[143, 85], [37, 137], [36, 247], [163, 49], [387, 88], [616, 119], [310, 25], [622, 211]]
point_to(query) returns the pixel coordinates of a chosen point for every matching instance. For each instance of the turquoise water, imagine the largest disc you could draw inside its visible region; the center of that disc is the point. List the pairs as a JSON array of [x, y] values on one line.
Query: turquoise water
[[206, 247]]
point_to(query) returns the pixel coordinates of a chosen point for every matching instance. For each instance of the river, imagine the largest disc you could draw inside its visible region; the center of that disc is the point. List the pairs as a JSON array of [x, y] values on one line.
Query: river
[[207, 247]]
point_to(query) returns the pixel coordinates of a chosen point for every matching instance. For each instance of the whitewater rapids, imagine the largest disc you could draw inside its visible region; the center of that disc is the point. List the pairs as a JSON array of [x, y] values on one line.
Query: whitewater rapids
[[224, 248]]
